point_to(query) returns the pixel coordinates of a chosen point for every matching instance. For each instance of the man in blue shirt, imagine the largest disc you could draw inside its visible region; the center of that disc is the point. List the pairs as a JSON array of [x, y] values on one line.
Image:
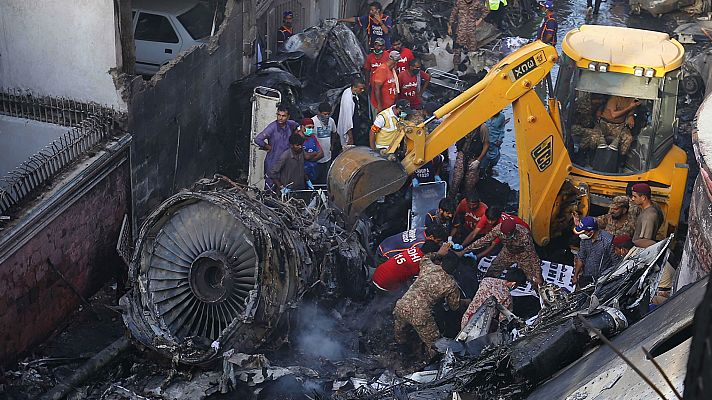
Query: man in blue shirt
[[375, 23], [595, 255], [549, 26], [275, 140]]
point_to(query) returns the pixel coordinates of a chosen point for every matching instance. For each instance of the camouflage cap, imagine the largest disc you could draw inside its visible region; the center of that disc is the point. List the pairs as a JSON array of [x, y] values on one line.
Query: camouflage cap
[[620, 202]]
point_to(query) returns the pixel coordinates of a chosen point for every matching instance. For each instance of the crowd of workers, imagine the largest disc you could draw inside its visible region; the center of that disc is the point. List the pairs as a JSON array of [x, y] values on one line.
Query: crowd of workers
[[440, 260]]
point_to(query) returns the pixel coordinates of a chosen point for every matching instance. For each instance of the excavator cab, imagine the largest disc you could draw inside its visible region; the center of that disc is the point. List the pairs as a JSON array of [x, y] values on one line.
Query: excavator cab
[[617, 89]]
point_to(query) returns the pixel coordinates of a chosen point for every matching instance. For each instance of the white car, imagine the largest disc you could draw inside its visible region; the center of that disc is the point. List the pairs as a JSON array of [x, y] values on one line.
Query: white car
[[164, 28]]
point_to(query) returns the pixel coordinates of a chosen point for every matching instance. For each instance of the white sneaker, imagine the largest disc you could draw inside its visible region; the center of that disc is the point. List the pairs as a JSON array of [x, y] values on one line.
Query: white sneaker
[[589, 11]]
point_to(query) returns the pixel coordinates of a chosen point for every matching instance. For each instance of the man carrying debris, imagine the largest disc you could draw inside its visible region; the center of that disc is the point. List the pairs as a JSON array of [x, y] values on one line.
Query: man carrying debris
[[385, 127], [433, 285], [468, 15], [618, 220], [348, 108], [405, 265], [384, 84], [413, 82], [595, 254], [499, 288], [275, 140], [624, 250], [518, 247], [650, 218], [288, 173], [325, 131], [285, 31], [376, 24]]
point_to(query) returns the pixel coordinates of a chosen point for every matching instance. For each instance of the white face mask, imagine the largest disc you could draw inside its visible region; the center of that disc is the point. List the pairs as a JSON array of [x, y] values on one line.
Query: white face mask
[[584, 236]]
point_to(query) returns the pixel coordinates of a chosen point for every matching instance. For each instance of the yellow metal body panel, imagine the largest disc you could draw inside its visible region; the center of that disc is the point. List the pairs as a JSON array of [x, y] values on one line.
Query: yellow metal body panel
[[623, 49]]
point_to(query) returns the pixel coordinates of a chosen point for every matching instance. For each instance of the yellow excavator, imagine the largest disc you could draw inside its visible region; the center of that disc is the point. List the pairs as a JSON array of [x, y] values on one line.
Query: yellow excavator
[[557, 173]]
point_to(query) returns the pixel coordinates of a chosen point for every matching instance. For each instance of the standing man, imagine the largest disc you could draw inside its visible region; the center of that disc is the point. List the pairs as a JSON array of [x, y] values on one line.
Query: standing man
[[471, 150], [375, 58], [592, 7], [384, 84], [434, 285], [495, 130], [496, 13], [275, 140], [650, 218], [406, 55], [518, 247], [469, 15], [325, 131], [348, 111], [595, 254], [312, 148], [549, 26], [376, 24], [413, 82], [288, 173], [285, 31], [385, 127]]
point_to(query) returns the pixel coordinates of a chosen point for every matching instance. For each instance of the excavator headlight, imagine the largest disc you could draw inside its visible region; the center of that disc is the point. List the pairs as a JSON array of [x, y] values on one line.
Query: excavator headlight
[[649, 72], [602, 67], [592, 66], [638, 71]]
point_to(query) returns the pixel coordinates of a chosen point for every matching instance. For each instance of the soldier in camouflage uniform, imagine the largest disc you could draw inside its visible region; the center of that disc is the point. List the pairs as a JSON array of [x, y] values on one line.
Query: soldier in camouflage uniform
[[518, 248], [470, 151], [620, 219], [415, 308], [469, 15]]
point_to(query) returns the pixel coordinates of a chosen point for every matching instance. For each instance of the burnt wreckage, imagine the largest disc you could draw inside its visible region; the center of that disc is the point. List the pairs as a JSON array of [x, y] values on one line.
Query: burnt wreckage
[[219, 266]]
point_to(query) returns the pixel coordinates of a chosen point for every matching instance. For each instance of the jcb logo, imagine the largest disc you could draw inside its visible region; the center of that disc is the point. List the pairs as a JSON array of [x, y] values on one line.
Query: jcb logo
[[543, 153]]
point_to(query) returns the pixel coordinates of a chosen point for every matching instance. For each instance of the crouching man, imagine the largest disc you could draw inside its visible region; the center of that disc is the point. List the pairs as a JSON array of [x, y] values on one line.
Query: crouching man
[[433, 285], [499, 288]]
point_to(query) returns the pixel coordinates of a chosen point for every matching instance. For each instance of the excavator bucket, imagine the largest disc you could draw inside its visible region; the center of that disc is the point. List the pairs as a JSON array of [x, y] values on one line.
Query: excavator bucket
[[360, 176]]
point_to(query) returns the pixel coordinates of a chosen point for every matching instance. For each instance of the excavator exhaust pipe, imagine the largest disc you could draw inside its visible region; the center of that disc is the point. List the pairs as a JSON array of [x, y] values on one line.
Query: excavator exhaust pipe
[[360, 176]]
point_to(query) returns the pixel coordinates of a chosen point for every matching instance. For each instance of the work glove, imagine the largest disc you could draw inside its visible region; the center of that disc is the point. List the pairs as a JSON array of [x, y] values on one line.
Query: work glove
[[415, 182], [457, 246], [310, 185], [449, 240], [285, 190], [471, 255], [438, 178], [475, 164]]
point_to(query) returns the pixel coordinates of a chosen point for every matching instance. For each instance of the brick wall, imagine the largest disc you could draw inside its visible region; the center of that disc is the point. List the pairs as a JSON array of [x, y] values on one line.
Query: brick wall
[[80, 242]]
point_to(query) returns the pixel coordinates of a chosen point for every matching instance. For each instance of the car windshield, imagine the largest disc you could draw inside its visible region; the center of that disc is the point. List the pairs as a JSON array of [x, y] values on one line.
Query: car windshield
[[198, 21]]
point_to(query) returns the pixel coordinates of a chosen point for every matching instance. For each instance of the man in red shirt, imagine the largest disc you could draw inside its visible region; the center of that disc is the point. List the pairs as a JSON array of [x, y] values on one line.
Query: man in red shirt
[[406, 56], [493, 217], [467, 214], [384, 84], [413, 82], [375, 58]]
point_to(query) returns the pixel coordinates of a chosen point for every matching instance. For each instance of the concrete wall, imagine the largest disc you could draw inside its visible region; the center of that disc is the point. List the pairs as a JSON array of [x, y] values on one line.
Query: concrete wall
[[60, 48], [34, 300], [180, 118]]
